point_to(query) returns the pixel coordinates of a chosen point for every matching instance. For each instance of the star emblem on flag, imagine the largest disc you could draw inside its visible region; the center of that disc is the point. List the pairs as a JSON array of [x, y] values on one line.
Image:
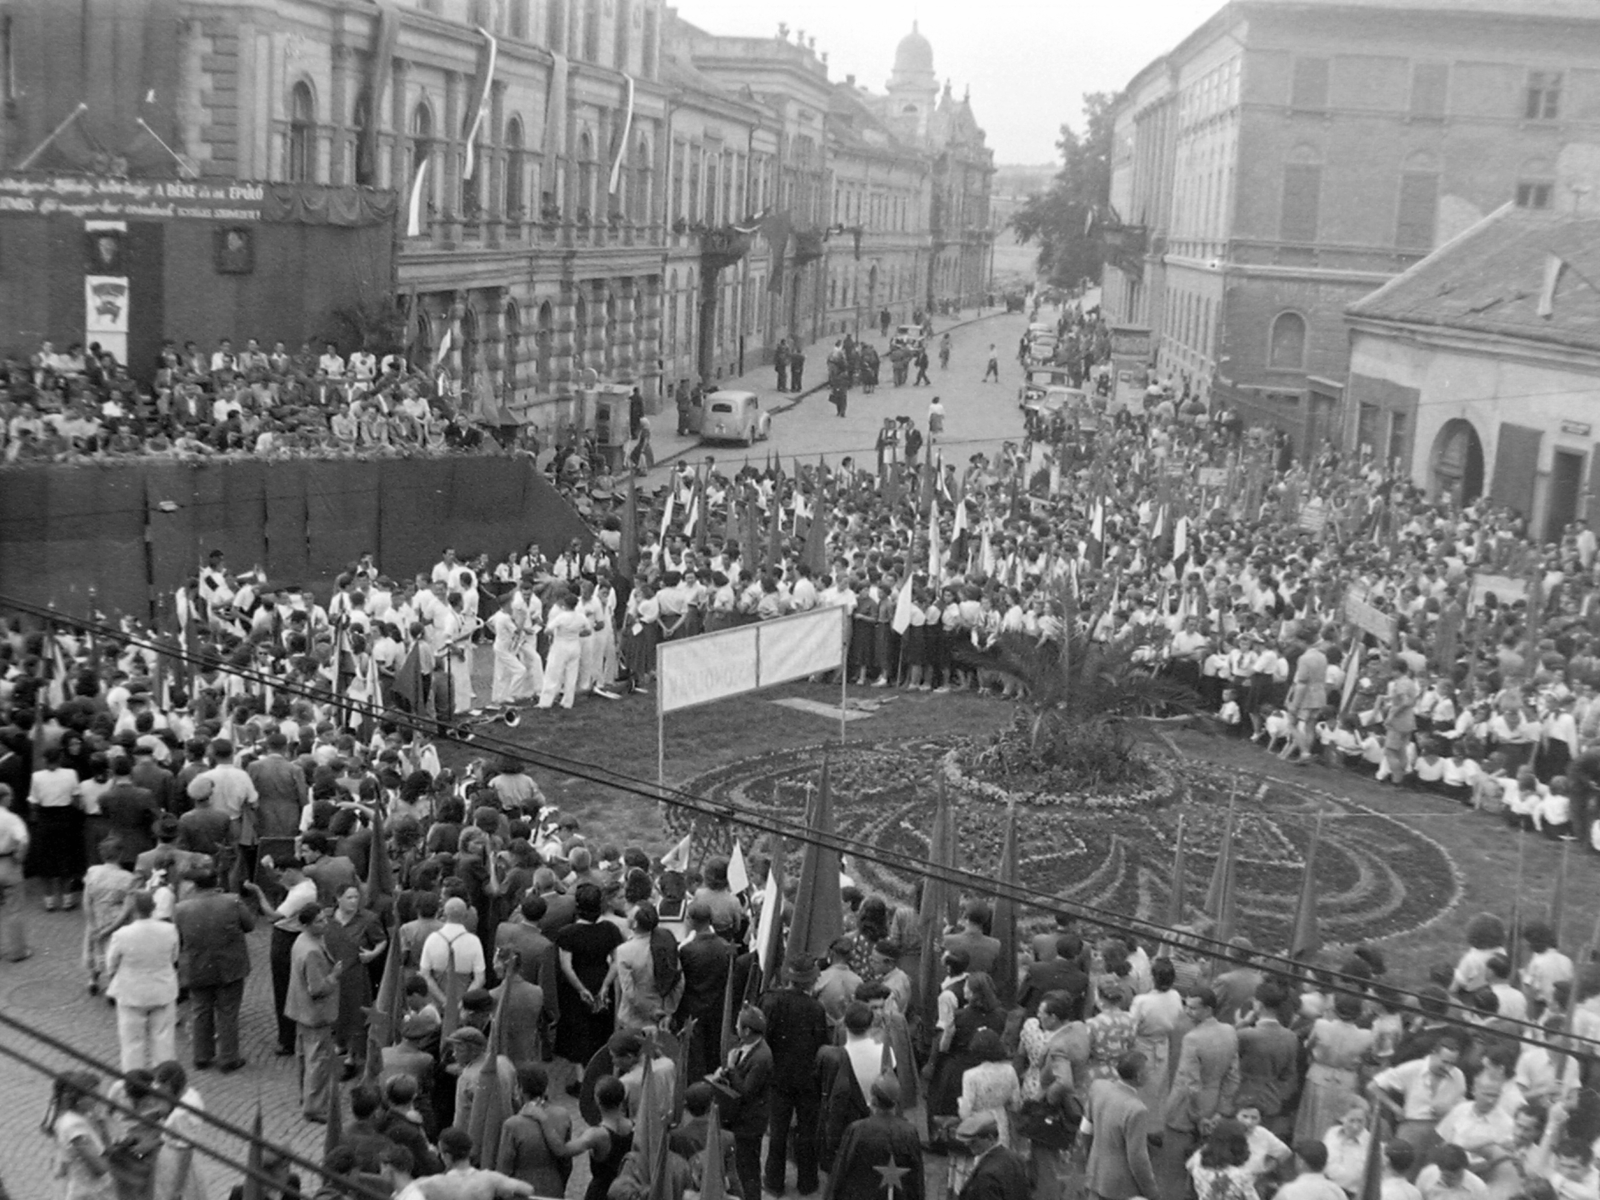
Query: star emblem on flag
[[892, 1174]]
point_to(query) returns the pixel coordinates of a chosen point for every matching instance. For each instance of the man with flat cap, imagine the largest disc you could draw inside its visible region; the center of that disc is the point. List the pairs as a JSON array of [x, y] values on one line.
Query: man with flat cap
[[997, 1173], [797, 1027], [880, 1156]]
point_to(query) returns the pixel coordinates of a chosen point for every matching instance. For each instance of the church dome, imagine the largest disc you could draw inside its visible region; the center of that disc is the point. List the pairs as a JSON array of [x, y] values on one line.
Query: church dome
[[914, 55]]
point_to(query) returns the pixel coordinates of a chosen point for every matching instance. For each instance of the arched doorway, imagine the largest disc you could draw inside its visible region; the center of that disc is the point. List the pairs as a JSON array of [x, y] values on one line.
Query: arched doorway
[[1458, 462]]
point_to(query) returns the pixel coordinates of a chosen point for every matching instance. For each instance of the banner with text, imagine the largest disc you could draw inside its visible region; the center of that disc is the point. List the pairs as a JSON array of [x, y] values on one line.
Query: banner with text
[[91, 196], [729, 662]]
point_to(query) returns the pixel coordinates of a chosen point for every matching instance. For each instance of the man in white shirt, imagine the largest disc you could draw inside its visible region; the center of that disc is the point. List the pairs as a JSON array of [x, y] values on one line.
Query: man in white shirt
[[331, 362], [452, 947], [1447, 1177], [1311, 1183]]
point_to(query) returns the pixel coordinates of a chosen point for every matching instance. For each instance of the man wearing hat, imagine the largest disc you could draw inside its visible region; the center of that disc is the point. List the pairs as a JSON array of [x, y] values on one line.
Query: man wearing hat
[[997, 1173], [796, 1028], [880, 1156]]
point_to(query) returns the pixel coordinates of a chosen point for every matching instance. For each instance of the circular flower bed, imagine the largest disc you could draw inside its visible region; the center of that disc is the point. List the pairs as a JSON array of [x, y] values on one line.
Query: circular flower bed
[[1108, 850]]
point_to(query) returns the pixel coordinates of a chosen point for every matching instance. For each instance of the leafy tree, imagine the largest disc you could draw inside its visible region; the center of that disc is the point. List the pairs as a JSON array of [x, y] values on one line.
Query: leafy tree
[[1057, 219]]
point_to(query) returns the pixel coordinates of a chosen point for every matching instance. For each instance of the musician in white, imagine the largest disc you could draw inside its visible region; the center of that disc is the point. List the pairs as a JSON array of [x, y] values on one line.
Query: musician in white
[[515, 679], [568, 627], [453, 635]]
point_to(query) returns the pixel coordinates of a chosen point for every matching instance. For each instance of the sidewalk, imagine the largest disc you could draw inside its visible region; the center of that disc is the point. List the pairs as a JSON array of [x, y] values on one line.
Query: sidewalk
[[669, 447]]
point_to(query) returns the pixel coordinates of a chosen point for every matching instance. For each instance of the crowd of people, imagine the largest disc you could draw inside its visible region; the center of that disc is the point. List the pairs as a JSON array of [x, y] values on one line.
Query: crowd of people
[[273, 756], [82, 404]]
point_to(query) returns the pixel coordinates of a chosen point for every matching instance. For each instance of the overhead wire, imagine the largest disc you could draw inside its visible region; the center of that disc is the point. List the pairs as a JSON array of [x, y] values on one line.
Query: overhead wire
[[791, 829]]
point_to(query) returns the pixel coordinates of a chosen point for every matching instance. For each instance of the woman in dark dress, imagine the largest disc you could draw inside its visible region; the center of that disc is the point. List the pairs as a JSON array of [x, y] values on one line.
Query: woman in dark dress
[[585, 948], [980, 1010], [355, 938]]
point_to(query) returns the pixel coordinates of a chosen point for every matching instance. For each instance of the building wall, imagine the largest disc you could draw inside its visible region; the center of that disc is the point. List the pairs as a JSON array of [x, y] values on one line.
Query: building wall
[[1410, 390], [1319, 153]]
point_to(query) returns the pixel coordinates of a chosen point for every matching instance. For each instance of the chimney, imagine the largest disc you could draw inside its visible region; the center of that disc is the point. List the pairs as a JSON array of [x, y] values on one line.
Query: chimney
[[850, 81]]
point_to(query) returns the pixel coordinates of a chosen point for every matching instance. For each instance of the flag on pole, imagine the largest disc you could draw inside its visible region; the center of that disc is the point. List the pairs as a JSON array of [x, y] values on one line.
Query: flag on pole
[[713, 1175], [769, 930], [738, 872], [333, 1131], [628, 560], [1219, 873], [482, 90], [414, 204], [254, 1162], [902, 607], [677, 859], [818, 906], [1307, 939], [1372, 1173], [935, 557], [1175, 897], [931, 912], [816, 548], [490, 1103], [1005, 914], [666, 512]]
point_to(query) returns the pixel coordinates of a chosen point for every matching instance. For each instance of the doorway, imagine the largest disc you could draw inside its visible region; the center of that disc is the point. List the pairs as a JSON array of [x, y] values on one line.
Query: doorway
[[1458, 462], [1566, 482]]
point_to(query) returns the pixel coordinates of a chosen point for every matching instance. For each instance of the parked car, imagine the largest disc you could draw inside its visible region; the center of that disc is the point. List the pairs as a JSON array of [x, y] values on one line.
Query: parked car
[[1038, 379], [1040, 411], [909, 336], [734, 417]]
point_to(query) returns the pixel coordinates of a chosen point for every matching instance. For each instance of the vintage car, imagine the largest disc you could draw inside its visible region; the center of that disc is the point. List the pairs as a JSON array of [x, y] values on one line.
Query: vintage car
[[1040, 411], [909, 336], [1038, 379], [734, 417]]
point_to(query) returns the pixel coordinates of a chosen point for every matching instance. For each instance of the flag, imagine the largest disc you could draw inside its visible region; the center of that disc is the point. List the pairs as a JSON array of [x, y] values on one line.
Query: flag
[[769, 931], [680, 1062], [747, 537], [1558, 897], [622, 141], [1307, 939], [931, 911], [1372, 1173], [490, 1104], [254, 1167], [380, 871], [713, 1175], [414, 205], [482, 90], [775, 525], [443, 352], [408, 679], [1180, 538], [1175, 896], [1219, 873], [816, 548], [738, 873], [703, 532], [383, 1021], [651, 1135], [903, 607], [730, 1011], [677, 859], [628, 554], [691, 519], [818, 907], [1005, 914]]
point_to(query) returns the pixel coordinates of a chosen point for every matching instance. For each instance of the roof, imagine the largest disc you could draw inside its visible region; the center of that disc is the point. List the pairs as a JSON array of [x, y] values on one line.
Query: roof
[[1493, 277], [1576, 10]]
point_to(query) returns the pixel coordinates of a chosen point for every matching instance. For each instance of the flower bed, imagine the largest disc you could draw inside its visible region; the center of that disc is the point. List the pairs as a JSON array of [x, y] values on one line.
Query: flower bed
[[1113, 850]]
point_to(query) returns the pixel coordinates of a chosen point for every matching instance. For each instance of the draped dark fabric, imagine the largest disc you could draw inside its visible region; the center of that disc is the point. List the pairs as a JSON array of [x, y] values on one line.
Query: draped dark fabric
[[317, 204]]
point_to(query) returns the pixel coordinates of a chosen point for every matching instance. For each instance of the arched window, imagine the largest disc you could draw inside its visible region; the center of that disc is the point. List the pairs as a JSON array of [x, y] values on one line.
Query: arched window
[[516, 168], [302, 157], [591, 30], [713, 165], [421, 135], [611, 332], [638, 200], [544, 340], [1287, 348], [672, 316], [472, 189], [513, 348], [361, 121]]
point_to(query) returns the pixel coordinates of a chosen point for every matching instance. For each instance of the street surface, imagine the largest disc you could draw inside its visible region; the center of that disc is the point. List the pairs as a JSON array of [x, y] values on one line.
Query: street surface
[[47, 990]]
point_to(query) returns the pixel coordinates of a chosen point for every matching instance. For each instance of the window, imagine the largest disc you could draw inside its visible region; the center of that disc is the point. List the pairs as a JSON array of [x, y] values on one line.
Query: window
[[1419, 201], [580, 333], [302, 135], [624, 31], [1287, 348], [1430, 89], [515, 168], [1367, 427], [1543, 99], [1309, 88], [591, 30], [1302, 188], [517, 19], [421, 136], [647, 48], [1533, 195], [586, 177], [1397, 437], [555, 25]]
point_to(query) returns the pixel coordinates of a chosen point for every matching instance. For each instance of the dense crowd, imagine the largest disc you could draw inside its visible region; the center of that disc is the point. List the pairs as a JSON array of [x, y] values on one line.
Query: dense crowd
[[1326, 608], [81, 404]]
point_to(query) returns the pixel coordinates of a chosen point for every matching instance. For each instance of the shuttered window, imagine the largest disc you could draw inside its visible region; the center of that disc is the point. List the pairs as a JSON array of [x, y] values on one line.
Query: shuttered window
[[1302, 190], [1419, 201]]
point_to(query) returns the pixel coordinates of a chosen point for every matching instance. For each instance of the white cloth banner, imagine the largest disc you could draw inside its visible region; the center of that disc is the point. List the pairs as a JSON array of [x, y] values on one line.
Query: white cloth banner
[[715, 666]]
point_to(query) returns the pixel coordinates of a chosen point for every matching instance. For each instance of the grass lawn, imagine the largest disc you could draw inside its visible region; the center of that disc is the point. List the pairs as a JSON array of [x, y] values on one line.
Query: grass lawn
[[622, 736]]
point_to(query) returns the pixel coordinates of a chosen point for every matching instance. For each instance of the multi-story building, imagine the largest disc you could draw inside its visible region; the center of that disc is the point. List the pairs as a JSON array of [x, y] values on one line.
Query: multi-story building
[[642, 201], [1290, 156]]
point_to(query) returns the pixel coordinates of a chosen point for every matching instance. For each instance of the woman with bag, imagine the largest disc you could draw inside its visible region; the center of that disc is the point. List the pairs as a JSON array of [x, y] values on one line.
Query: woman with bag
[[1053, 1054]]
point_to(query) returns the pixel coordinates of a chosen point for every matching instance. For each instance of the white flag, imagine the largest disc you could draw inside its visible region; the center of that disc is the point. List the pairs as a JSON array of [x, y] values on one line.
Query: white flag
[[902, 607], [771, 910], [677, 859], [738, 873]]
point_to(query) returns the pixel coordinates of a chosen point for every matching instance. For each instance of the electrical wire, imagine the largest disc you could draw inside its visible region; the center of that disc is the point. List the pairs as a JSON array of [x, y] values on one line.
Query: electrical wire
[[362, 1192], [1336, 982]]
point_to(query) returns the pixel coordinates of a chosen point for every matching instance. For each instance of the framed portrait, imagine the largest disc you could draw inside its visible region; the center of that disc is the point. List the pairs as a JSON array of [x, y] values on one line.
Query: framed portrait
[[103, 252], [235, 249]]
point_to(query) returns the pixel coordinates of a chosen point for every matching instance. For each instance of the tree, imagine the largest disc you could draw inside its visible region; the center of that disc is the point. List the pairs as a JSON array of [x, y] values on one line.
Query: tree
[[1058, 218]]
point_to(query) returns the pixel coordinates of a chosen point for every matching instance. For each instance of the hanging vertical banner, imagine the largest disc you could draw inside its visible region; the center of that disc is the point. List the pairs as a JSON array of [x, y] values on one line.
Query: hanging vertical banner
[[105, 287], [482, 90], [622, 142]]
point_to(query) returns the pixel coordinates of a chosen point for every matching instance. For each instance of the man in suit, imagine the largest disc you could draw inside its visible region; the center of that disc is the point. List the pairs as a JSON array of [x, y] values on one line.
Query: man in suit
[[561, 908], [880, 1156], [1269, 1060], [536, 955], [214, 959], [142, 961], [1060, 973], [1203, 1086], [982, 950], [706, 958], [280, 797], [130, 811], [746, 1085], [1236, 988], [153, 777], [313, 1006], [1119, 1156], [522, 1010], [997, 1173], [796, 1028]]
